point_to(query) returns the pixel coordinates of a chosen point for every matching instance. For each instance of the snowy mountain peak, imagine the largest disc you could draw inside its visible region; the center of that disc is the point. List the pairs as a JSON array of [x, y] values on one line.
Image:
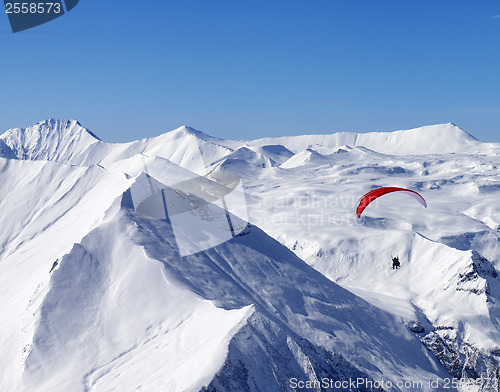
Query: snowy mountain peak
[[188, 131], [184, 129], [302, 158], [52, 139], [62, 126], [444, 132]]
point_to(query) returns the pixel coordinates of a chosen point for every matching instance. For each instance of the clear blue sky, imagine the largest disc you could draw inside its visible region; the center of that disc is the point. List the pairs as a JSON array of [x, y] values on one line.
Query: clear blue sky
[[247, 69]]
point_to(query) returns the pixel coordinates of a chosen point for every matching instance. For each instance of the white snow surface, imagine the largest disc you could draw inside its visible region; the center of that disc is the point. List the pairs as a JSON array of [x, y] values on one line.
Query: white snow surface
[[96, 298]]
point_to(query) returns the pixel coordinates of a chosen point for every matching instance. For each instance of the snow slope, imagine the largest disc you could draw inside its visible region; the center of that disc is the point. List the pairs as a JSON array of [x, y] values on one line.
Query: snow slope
[[98, 297], [111, 317], [119, 308]]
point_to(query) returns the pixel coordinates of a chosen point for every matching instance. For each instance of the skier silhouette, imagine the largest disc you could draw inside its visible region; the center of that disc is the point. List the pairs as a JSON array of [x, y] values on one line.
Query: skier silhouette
[[395, 262]]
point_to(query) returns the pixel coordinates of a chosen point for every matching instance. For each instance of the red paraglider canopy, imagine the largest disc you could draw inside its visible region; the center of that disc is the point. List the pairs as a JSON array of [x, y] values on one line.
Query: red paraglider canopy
[[367, 198]]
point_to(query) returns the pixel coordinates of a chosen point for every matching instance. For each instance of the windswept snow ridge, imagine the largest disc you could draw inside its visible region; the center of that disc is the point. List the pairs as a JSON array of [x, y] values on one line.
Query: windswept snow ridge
[[99, 293]]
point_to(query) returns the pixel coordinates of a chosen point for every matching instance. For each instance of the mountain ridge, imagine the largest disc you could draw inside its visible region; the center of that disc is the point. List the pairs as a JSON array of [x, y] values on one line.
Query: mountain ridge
[[57, 139]]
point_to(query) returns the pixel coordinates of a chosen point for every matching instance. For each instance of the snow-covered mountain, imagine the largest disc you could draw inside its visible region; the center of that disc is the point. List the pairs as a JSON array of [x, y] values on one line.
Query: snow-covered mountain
[[97, 298], [443, 138]]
